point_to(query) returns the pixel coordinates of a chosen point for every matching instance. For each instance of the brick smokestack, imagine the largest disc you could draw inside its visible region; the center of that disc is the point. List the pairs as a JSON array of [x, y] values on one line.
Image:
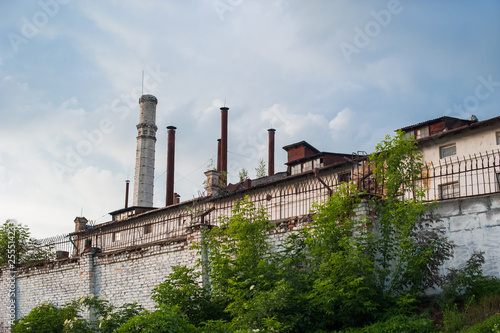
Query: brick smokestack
[[223, 144], [218, 155], [145, 153], [170, 165], [270, 158]]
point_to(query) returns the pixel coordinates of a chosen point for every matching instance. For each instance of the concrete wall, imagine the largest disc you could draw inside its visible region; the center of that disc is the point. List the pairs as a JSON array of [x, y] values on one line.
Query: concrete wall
[[473, 224]]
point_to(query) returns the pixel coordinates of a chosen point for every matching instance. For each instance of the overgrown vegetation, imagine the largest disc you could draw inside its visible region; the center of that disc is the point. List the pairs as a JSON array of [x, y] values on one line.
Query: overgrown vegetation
[[87, 314], [17, 247], [342, 273]]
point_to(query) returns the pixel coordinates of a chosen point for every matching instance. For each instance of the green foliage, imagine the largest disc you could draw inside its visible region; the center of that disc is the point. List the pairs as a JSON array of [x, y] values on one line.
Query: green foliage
[[17, 247], [260, 170], [398, 165], [243, 268], [182, 289], [68, 318], [243, 174], [45, 318], [344, 288], [469, 281], [399, 324], [408, 253], [490, 325], [163, 320]]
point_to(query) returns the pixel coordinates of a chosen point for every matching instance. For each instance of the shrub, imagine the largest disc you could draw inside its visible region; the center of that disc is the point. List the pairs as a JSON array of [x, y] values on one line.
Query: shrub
[[182, 289], [399, 324], [469, 281], [490, 325], [163, 320], [45, 318]]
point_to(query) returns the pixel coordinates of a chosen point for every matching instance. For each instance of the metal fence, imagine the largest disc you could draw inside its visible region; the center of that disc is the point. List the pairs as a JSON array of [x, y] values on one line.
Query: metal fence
[[451, 178], [284, 199], [60, 246]]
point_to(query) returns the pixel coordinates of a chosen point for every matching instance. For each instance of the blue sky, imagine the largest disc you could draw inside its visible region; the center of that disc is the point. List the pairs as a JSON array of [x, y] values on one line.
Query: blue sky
[[338, 74]]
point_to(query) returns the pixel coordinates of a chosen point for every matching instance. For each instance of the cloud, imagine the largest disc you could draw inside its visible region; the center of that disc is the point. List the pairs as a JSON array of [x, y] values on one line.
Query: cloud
[[342, 121]]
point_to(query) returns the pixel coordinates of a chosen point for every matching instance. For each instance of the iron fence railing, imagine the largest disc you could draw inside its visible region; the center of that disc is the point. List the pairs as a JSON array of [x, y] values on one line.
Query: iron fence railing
[[449, 178], [288, 198]]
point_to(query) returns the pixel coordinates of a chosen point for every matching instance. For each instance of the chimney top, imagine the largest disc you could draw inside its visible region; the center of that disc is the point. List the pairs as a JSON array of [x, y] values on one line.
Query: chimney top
[[148, 98], [80, 223], [224, 108], [271, 130], [171, 127]]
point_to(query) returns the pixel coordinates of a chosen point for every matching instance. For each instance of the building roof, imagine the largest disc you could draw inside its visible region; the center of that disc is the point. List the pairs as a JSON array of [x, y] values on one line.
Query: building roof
[[298, 144], [471, 126], [432, 121], [317, 155]]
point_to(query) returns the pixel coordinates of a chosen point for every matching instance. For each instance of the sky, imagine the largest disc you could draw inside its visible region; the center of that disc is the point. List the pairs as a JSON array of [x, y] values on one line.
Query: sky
[[338, 74]]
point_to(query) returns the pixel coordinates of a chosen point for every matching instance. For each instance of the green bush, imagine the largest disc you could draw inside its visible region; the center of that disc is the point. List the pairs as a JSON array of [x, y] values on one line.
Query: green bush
[[164, 320], [399, 324], [45, 318], [183, 289], [490, 325]]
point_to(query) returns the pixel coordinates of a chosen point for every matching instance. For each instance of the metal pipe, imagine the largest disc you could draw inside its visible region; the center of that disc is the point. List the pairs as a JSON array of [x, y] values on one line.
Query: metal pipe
[[170, 165], [223, 137], [127, 186], [270, 159]]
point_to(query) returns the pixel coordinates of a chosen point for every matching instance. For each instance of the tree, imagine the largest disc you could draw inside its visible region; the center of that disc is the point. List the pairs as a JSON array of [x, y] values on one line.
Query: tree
[[408, 255], [17, 247], [260, 170], [243, 174]]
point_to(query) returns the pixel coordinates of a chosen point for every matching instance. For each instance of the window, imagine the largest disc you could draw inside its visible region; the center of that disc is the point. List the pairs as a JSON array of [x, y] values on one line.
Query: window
[[318, 163], [422, 133], [344, 177], [148, 229], [115, 237], [497, 134], [449, 191], [295, 169], [307, 166], [448, 150]]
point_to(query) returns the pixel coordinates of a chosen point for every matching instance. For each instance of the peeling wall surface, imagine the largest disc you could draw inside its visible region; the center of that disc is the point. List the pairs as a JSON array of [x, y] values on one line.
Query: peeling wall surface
[[473, 224], [128, 275]]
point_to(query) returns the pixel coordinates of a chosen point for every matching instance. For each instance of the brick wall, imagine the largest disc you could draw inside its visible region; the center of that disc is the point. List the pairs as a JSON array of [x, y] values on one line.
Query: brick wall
[[130, 274]]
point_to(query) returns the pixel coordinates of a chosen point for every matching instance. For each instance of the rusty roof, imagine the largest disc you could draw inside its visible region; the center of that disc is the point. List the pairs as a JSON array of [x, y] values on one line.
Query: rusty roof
[[432, 121]]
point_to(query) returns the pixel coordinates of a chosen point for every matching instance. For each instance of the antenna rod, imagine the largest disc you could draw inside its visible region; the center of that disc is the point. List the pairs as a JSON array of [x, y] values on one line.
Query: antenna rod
[[142, 86]]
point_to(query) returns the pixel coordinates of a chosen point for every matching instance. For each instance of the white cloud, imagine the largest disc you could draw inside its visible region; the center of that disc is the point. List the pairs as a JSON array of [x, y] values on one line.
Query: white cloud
[[342, 121]]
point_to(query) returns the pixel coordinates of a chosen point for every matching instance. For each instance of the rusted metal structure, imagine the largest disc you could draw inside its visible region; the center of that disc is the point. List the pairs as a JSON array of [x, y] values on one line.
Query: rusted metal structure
[[170, 165]]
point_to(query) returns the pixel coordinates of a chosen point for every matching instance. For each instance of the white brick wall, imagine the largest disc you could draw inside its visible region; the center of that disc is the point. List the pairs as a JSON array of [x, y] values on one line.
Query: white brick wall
[[127, 276]]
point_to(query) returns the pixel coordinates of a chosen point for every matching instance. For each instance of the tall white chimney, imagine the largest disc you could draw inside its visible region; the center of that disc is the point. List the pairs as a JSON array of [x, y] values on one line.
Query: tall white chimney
[[145, 154]]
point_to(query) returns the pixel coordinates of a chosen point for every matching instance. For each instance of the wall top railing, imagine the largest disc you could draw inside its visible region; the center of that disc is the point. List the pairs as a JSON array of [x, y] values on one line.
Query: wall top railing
[[450, 178]]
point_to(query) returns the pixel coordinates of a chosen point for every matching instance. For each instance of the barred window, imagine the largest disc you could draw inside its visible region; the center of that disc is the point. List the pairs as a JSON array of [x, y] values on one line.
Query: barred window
[[448, 150], [148, 228]]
